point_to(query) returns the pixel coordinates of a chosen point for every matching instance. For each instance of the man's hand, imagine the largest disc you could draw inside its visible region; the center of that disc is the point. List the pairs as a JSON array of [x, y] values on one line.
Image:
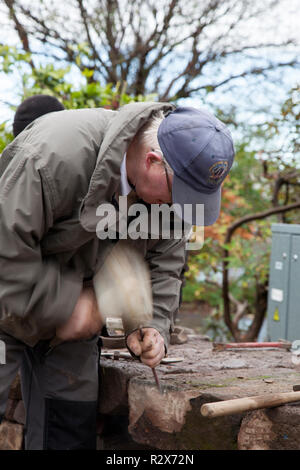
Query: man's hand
[[85, 320], [150, 348]]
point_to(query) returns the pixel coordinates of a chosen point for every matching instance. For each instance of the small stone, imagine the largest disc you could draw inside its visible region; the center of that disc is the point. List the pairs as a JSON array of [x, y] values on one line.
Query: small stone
[[19, 414], [178, 336], [233, 364], [268, 381], [11, 436], [15, 389], [10, 409]]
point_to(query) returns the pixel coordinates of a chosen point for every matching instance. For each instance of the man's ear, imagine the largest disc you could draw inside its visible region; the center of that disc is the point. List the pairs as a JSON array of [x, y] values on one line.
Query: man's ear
[[152, 157]]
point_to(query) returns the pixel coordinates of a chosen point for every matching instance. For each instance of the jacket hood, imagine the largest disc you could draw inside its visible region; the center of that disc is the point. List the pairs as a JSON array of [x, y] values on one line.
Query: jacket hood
[[105, 180]]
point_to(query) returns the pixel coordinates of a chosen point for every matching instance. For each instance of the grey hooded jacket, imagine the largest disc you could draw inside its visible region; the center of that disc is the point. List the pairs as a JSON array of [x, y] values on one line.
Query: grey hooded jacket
[[54, 176]]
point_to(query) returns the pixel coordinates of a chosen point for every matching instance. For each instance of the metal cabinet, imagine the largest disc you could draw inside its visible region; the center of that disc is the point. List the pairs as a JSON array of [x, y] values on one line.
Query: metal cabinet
[[284, 283]]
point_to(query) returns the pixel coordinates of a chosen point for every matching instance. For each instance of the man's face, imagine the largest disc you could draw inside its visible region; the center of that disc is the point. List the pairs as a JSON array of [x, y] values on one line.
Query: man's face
[[152, 180]]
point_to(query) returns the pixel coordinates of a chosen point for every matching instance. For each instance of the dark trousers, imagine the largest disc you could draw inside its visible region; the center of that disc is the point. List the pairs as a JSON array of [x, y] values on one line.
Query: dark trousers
[[60, 391]]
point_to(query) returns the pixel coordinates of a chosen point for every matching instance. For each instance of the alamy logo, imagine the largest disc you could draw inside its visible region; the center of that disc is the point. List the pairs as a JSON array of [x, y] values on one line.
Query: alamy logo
[[2, 352], [154, 221]]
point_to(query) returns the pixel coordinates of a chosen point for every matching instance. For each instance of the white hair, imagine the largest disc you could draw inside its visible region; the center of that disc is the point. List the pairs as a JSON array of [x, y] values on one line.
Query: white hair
[[148, 136]]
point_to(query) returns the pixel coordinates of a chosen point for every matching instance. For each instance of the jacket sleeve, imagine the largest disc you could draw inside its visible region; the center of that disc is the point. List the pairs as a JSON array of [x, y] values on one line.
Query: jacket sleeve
[[166, 259], [36, 293]]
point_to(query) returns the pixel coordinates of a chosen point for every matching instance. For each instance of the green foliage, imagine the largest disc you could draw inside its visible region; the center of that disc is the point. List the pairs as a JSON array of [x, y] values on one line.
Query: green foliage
[[6, 136], [249, 190], [215, 327], [247, 183], [11, 58], [248, 262], [51, 80], [89, 94]]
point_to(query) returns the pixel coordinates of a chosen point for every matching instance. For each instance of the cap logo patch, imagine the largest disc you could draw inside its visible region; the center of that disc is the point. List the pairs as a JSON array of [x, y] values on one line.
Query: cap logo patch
[[217, 171]]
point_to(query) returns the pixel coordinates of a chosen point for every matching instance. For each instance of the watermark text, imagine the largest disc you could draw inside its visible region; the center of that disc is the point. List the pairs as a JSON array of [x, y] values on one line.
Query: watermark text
[[151, 221]]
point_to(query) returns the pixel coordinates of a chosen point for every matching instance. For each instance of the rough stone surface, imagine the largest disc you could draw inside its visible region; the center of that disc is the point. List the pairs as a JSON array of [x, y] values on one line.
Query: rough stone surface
[[172, 420], [15, 389], [11, 436], [256, 432], [271, 429], [19, 414], [146, 404], [15, 411], [135, 415], [10, 409]]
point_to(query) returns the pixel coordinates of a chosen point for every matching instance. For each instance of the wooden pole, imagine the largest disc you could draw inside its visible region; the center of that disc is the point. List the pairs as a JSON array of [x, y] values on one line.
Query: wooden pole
[[238, 405]]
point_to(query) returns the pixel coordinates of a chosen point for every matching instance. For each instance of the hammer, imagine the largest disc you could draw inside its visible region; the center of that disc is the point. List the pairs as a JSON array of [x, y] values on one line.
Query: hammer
[[123, 289], [238, 405]]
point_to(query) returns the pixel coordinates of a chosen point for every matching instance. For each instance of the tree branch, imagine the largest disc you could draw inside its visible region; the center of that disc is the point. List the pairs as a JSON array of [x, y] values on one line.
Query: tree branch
[[238, 223], [183, 92], [86, 27], [134, 40], [22, 33]]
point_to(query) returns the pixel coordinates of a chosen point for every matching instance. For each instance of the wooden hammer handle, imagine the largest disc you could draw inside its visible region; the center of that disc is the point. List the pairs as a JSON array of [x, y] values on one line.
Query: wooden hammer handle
[[238, 405]]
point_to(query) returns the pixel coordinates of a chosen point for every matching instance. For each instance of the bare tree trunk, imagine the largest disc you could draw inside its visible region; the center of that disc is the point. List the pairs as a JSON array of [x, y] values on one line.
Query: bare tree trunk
[[260, 299], [22, 33]]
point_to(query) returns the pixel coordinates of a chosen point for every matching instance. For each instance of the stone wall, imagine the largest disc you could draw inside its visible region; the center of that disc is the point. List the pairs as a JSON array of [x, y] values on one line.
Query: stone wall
[[11, 428], [134, 414]]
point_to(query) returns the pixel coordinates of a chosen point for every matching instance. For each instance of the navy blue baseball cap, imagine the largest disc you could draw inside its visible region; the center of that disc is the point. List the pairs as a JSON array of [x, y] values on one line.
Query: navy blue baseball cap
[[199, 149]]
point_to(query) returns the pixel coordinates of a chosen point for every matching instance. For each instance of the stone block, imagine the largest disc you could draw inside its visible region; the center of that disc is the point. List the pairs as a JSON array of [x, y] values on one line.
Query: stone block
[[10, 409], [19, 414], [271, 429], [11, 436], [172, 420], [15, 411], [255, 432], [15, 389]]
